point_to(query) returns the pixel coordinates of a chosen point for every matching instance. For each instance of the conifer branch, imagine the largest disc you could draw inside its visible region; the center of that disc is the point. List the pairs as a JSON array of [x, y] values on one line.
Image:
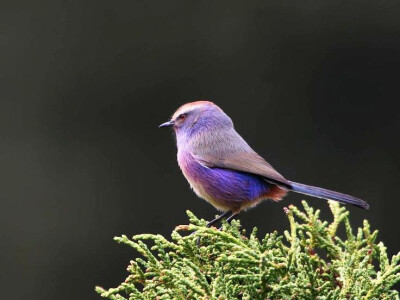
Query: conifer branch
[[309, 261]]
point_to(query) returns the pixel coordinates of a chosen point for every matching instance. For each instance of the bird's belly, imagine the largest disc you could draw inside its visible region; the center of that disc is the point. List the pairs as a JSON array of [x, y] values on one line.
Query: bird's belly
[[224, 189]]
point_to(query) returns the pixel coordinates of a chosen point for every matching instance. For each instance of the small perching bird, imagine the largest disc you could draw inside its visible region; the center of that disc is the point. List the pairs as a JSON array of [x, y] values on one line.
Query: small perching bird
[[224, 170]]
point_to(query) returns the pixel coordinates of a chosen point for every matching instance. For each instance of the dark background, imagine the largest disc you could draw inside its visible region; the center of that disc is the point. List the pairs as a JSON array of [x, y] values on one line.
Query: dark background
[[313, 86]]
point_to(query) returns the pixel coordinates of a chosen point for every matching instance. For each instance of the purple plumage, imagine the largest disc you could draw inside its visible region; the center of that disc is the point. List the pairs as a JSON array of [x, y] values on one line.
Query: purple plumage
[[225, 189]]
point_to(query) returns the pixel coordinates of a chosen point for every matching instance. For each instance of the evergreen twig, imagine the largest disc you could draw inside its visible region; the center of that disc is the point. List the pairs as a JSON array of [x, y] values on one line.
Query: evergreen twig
[[309, 261]]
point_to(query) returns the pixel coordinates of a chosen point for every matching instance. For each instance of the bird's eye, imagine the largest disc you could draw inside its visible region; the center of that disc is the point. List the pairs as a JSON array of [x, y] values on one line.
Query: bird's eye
[[182, 116]]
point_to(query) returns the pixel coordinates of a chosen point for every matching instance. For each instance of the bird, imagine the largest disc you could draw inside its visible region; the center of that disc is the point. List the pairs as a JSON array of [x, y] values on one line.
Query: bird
[[224, 170]]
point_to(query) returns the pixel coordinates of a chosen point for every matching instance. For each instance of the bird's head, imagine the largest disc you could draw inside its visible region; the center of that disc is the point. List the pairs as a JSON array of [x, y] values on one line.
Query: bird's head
[[196, 117]]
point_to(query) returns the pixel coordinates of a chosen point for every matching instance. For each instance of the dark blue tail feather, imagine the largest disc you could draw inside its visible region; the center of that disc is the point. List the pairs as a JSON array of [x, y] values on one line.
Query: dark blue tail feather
[[327, 194]]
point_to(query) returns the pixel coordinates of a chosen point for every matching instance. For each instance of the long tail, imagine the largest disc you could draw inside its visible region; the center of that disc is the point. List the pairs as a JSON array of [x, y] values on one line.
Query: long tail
[[327, 194]]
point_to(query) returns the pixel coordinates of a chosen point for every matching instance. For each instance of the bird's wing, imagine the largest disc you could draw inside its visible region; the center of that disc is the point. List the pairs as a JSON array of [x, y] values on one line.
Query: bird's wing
[[249, 162]]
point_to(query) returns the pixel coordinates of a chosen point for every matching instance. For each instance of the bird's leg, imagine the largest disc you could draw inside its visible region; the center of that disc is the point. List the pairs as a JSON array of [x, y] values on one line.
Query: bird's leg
[[217, 219], [231, 217], [212, 222], [225, 214]]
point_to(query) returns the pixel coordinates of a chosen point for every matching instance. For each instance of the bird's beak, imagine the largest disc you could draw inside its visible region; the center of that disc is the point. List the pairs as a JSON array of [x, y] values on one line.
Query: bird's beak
[[167, 124]]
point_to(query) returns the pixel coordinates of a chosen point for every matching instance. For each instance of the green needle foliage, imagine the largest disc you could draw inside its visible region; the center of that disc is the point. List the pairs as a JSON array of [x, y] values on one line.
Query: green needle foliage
[[307, 262]]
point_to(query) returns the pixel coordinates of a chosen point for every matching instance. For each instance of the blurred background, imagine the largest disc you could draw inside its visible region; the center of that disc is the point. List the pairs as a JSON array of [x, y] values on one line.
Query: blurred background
[[313, 86]]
